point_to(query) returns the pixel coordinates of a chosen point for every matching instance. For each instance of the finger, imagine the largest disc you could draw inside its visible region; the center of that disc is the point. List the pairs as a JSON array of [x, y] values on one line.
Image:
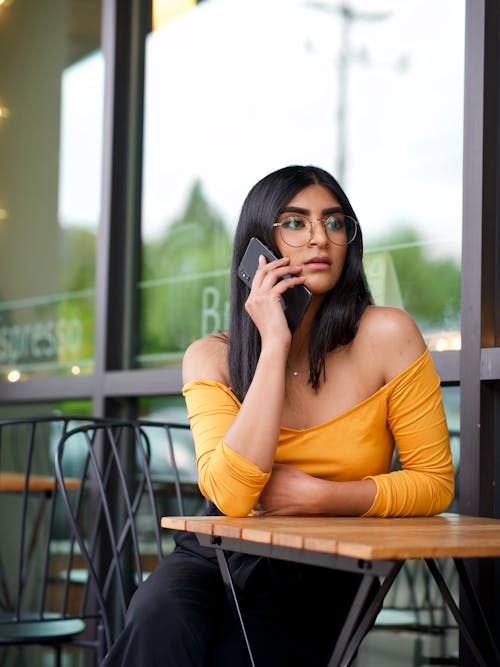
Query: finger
[[283, 285], [265, 268], [274, 272], [262, 260]]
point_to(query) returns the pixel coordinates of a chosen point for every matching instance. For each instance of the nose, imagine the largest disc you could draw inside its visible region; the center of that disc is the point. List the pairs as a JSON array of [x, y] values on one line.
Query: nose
[[318, 233]]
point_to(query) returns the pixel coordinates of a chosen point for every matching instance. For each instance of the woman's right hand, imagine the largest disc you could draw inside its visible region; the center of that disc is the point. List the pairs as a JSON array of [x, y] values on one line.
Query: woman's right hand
[[264, 301]]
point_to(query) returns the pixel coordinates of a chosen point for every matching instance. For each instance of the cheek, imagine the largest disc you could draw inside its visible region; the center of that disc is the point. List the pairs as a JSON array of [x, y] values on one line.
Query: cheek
[[284, 249]]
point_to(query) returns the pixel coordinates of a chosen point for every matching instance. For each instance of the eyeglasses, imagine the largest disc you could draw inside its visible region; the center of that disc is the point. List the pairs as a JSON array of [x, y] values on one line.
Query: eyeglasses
[[296, 230]]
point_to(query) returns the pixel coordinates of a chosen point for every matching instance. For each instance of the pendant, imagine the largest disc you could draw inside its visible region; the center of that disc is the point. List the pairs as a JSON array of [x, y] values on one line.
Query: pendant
[[295, 373]]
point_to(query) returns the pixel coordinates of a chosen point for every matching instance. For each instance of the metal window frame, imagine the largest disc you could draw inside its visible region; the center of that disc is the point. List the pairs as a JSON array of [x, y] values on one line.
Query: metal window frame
[[479, 477]]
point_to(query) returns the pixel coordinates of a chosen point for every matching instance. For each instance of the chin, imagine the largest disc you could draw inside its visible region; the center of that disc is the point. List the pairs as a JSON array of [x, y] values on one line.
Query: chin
[[320, 287]]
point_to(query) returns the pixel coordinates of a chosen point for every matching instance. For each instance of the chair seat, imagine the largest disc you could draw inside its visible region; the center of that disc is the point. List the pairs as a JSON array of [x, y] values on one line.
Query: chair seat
[[36, 631]]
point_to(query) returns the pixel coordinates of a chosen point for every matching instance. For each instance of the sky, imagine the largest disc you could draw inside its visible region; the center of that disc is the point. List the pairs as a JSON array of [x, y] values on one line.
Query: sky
[[238, 88]]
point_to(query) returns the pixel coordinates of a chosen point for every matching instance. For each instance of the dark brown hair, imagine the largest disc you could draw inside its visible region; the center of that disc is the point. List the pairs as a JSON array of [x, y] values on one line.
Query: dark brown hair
[[337, 320]]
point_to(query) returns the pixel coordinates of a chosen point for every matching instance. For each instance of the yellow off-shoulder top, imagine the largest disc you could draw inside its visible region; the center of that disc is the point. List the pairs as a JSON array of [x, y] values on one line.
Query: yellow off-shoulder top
[[355, 445]]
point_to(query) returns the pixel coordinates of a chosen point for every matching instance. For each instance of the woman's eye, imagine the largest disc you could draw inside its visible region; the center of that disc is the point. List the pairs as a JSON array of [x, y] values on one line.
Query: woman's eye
[[293, 223], [334, 222]]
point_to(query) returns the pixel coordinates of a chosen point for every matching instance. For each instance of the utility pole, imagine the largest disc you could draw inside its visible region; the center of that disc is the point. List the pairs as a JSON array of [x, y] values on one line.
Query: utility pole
[[348, 17]]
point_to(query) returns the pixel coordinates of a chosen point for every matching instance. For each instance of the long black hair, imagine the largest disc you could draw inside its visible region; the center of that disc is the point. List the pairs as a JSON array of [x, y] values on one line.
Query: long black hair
[[336, 321]]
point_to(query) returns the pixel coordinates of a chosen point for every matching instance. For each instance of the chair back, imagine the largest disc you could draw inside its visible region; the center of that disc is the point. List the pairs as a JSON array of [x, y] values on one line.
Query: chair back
[[115, 512], [37, 604], [30, 517]]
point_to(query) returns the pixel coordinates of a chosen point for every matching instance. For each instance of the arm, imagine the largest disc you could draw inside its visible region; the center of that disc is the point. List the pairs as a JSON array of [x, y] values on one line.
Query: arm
[[291, 491], [425, 485], [416, 419], [235, 459]]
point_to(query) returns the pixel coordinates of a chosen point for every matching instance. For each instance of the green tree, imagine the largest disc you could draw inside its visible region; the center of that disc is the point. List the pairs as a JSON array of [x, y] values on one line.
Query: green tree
[[185, 279], [429, 285]]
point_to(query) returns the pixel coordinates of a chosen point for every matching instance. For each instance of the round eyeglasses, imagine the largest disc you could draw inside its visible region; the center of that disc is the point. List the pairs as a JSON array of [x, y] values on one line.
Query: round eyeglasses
[[296, 229]]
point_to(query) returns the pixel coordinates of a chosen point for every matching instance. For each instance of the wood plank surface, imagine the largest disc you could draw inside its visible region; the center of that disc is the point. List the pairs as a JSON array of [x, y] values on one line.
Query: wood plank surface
[[14, 482], [444, 535]]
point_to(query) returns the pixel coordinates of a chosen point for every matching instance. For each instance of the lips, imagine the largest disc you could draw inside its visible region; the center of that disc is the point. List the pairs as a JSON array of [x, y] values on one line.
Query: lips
[[324, 261]]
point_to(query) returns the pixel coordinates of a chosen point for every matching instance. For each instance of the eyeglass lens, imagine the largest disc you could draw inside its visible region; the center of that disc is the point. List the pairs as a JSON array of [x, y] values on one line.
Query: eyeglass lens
[[297, 230]]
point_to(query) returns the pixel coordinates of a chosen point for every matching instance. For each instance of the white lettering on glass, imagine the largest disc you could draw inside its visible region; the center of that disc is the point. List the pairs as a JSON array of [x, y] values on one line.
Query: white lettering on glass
[[39, 341], [210, 318]]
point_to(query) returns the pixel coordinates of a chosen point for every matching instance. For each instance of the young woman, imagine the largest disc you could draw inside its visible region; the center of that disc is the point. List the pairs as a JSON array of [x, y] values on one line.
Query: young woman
[[302, 423]]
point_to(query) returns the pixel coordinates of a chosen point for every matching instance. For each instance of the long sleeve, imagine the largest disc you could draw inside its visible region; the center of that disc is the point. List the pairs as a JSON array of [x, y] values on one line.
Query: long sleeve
[[356, 445], [417, 421], [229, 480]]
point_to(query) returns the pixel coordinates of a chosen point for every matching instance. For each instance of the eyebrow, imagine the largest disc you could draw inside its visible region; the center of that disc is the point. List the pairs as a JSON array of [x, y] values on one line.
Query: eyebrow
[[306, 211]]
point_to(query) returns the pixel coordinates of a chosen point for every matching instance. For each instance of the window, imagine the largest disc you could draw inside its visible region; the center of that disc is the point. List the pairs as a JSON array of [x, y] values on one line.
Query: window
[[355, 90], [51, 93]]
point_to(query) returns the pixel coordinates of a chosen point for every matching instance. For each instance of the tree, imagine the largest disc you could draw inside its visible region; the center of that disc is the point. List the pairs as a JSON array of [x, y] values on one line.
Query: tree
[[429, 286], [185, 279]]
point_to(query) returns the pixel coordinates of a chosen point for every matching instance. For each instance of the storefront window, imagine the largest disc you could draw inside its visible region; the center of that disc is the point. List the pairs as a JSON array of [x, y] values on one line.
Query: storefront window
[[372, 91], [51, 91]]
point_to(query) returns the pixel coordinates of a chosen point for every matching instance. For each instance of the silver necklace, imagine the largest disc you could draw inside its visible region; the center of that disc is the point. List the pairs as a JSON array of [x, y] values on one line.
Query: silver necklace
[[296, 371]]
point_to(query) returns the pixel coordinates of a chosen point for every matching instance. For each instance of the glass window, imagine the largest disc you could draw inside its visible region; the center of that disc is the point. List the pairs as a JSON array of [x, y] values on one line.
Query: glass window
[[51, 92], [353, 87]]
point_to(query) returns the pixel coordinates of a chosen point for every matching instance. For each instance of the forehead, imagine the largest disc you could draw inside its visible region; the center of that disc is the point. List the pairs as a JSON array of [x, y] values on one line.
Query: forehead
[[314, 197]]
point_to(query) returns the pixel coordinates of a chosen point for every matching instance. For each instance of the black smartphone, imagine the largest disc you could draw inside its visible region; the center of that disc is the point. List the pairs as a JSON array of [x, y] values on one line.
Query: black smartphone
[[294, 301]]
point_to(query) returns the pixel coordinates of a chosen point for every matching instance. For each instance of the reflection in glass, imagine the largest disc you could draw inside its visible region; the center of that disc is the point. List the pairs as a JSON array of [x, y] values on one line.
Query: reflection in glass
[[185, 285], [51, 77], [351, 87]]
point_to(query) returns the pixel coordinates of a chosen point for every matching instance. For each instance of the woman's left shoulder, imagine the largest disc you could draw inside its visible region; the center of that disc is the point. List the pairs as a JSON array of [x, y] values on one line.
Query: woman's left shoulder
[[392, 336], [389, 321]]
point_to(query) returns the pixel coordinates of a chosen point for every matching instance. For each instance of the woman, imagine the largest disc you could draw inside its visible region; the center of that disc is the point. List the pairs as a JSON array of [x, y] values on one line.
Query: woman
[[301, 423]]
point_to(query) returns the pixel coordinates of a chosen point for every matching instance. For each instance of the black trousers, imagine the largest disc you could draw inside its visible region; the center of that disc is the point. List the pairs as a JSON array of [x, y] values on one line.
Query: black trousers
[[181, 617]]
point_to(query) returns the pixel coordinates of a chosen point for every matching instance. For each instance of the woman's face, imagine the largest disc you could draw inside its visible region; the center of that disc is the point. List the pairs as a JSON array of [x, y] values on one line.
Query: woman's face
[[322, 260]]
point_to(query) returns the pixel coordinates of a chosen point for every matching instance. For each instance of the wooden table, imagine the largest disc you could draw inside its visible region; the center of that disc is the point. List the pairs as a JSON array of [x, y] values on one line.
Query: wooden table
[[14, 482], [373, 547]]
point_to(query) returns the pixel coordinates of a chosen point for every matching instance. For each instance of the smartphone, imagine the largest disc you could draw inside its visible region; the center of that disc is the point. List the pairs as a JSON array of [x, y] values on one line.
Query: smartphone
[[294, 301]]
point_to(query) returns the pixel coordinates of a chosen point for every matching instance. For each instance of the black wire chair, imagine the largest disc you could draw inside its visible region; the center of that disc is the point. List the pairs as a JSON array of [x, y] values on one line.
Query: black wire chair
[[30, 610], [415, 607], [81, 505], [115, 507]]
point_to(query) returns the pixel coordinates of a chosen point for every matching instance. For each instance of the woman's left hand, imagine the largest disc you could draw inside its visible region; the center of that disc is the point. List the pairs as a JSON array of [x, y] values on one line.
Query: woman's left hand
[[290, 491]]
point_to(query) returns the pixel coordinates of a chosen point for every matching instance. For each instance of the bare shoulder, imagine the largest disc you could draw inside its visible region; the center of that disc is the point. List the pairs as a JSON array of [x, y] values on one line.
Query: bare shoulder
[[206, 359], [392, 337]]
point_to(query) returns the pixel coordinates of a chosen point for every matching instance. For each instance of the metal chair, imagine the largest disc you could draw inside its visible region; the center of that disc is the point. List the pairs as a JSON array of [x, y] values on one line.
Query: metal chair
[[414, 606], [31, 612], [115, 515]]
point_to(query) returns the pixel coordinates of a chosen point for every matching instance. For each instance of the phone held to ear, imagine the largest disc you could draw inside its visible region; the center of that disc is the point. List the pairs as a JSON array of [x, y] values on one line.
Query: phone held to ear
[[294, 301]]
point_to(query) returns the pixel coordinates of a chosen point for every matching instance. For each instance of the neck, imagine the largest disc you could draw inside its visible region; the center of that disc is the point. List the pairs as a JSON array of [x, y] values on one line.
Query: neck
[[298, 354]]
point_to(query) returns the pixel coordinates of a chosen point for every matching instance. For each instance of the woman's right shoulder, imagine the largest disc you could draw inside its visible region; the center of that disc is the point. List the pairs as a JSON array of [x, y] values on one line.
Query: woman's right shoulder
[[206, 359]]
